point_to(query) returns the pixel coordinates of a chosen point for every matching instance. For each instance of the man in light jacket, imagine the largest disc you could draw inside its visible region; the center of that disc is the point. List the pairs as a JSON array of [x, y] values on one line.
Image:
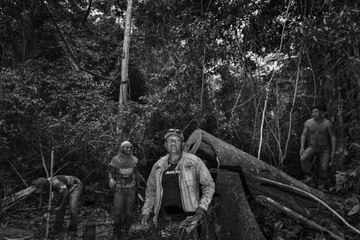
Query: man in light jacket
[[174, 183]]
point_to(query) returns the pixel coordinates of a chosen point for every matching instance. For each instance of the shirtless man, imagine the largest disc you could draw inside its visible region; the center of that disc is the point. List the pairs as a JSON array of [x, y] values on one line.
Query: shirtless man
[[321, 139]]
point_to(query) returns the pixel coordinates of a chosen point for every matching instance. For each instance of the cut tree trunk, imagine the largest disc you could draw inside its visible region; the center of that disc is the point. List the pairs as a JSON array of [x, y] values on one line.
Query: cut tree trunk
[[89, 231], [263, 181], [234, 207], [9, 201]]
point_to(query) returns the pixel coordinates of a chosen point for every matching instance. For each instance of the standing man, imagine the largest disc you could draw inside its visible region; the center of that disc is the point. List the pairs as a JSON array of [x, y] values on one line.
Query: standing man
[[124, 180], [319, 133], [173, 186], [69, 189]]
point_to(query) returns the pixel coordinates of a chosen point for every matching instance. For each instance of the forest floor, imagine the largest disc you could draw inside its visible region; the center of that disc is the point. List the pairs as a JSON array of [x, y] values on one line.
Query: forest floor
[[31, 223], [28, 222], [24, 221]]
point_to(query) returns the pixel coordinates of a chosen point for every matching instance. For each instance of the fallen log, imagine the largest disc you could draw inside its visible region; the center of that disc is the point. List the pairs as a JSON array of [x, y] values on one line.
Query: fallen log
[[89, 231], [10, 200], [255, 175], [234, 206]]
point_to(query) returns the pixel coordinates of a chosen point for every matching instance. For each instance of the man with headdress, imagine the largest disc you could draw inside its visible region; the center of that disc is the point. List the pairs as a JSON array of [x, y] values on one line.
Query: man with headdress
[[123, 180]]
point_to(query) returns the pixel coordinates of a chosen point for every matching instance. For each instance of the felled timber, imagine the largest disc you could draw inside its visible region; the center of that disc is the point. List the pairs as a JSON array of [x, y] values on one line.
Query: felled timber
[[234, 207], [260, 180], [10, 200], [89, 232]]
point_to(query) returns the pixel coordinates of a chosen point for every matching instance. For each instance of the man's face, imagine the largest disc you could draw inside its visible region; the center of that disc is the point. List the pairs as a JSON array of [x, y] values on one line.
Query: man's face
[[174, 144], [316, 113], [42, 187], [126, 150]]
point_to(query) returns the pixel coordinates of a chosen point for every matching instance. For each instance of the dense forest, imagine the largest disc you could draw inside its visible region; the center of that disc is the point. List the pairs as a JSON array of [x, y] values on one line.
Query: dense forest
[[246, 71]]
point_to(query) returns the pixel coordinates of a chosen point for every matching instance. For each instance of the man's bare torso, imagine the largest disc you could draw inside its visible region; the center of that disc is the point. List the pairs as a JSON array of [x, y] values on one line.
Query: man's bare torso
[[318, 132]]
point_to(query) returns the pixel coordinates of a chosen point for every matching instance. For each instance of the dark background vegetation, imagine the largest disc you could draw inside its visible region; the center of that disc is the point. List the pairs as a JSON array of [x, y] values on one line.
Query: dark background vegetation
[[246, 71]]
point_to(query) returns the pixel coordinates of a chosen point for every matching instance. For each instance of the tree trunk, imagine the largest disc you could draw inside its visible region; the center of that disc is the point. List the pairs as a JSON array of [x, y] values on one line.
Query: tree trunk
[[261, 180], [234, 207], [124, 83], [89, 231], [123, 94]]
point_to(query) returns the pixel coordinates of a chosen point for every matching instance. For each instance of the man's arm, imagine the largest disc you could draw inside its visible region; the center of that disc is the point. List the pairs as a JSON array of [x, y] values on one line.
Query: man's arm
[[303, 138], [111, 171], [136, 172], [137, 176], [64, 194], [150, 195], [207, 185], [41, 199], [333, 140], [40, 185]]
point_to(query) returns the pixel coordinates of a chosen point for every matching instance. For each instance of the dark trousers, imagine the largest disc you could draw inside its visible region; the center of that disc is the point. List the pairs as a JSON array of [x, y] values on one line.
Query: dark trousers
[[124, 199], [322, 158], [74, 198]]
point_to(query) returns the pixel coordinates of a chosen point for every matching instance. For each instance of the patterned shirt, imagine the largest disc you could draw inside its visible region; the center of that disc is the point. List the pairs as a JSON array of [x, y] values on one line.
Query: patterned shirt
[[124, 171], [62, 182]]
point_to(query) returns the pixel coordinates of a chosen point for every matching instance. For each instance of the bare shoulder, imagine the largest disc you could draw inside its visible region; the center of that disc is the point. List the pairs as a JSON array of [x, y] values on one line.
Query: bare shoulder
[[309, 122], [327, 122]]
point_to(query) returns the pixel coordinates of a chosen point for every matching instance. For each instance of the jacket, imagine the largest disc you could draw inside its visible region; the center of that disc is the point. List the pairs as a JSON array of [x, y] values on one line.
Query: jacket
[[192, 173]]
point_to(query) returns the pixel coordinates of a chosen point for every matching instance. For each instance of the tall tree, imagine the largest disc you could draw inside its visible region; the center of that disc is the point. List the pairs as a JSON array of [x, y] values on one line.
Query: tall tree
[[123, 91], [123, 94]]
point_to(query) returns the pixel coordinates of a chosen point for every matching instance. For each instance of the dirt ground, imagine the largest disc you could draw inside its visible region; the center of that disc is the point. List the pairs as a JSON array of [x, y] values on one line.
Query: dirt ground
[[25, 221], [32, 224]]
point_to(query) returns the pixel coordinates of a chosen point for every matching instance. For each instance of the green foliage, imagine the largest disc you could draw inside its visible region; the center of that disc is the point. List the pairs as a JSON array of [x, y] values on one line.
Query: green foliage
[[52, 106]]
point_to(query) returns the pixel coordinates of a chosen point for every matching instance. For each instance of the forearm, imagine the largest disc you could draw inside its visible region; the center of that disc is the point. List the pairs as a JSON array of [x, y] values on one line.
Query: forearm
[[148, 206], [333, 143], [41, 198], [207, 186], [150, 198], [208, 192], [302, 142], [63, 198], [137, 176], [150, 194], [111, 173]]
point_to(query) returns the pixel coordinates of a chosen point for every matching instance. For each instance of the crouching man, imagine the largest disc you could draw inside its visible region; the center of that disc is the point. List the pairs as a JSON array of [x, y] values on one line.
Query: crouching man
[[69, 189]]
